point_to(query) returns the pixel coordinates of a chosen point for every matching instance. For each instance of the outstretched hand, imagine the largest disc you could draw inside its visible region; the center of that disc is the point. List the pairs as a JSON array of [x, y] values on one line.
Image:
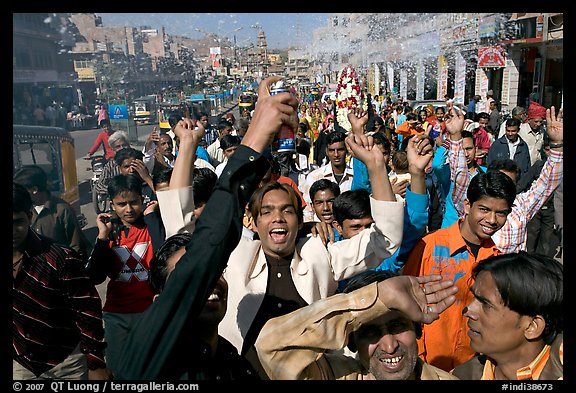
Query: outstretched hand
[[362, 147], [358, 118], [188, 128], [270, 114], [422, 299], [555, 125], [419, 152], [454, 119]]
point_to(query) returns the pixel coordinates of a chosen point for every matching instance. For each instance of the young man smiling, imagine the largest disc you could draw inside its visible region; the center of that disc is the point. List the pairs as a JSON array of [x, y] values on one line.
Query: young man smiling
[[453, 252]]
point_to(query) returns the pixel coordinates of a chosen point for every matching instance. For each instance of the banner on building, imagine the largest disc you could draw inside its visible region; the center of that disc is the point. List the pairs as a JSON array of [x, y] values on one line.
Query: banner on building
[[460, 76], [403, 83], [442, 87], [491, 56], [390, 77], [420, 79], [215, 57]]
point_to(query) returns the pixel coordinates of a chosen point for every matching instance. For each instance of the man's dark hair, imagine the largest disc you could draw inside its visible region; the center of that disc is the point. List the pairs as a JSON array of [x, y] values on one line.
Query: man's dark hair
[[223, 123], [32, 176], [493, 184], [482, 115], [334, 137], [175, 116], [468, 134], [411, 116], [513, 122], [242, 124], [367, 277], [400, 160], [505, 164], [529, 284], [124, 183], [229, 141], [21, 199], [371, 124], [162, 176], [158, 274], [127, 152], [352, 205], [321, 185], [104, 122], [203, 183]]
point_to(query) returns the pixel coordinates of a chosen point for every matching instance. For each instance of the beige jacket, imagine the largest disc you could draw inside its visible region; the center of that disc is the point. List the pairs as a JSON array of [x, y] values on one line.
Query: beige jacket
[[302, 344], [316, 269]]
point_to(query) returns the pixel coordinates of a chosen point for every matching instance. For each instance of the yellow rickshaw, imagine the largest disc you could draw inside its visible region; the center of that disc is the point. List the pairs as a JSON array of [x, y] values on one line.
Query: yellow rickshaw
[[246, 101], [52, 149]]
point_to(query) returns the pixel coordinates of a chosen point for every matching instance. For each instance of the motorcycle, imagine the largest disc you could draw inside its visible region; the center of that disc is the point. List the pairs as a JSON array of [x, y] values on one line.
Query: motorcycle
[[100, 201]]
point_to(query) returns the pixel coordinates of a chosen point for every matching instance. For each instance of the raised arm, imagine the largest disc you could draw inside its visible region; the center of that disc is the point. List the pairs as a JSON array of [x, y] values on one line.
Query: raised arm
[[458, 167], [158, 341], [190, 133], [293, 346]]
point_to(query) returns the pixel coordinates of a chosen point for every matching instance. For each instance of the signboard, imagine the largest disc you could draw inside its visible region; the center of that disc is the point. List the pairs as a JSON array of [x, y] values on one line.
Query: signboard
[[420, 79], [505, 98], [491, 56], [403, 83], [442, 87], [460, 85], [86, 74], [390, 76], [215, 56], [118, 112]]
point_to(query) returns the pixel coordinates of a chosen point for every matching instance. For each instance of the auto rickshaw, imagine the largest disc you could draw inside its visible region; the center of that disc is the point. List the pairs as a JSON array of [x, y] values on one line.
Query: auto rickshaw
[[246, 101], [52, 149]]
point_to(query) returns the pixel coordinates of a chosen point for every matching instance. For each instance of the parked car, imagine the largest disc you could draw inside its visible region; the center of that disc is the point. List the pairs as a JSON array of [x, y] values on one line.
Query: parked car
[[417, 105]]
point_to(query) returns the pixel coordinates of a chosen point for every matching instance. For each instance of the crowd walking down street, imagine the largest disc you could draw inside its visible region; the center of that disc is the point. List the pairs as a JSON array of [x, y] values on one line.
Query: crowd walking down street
[[268, 227]]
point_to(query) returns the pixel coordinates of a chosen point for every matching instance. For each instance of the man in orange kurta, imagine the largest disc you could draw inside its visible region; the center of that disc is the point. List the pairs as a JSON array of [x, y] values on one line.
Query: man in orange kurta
[[452, 252]]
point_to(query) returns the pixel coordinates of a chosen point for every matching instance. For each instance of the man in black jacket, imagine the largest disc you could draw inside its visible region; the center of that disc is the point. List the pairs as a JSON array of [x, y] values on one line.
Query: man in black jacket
[[157, 343]]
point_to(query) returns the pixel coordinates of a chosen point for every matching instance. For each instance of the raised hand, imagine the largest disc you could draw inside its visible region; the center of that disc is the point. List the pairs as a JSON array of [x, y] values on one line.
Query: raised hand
[[270, 114], [419, 152], [454, 119], [358, 118], [555, 125], [188, 128], [422, 299], [362, 147]]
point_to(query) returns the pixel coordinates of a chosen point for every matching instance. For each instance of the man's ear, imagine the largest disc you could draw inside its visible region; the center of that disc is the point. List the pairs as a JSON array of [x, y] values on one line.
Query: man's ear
[[467, 206], [338, 227], [535, 327]]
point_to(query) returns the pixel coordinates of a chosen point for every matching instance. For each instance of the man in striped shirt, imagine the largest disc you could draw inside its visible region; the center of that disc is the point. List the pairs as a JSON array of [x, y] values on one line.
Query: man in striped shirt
[[513, 235], [57, 328]]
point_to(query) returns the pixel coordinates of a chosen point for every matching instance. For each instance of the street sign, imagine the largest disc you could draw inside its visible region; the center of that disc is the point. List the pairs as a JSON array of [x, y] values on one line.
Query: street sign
[[118, 112]]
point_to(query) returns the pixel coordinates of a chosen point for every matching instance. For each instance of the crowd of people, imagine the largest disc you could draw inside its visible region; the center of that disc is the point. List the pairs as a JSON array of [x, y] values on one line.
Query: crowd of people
[[413, 246]]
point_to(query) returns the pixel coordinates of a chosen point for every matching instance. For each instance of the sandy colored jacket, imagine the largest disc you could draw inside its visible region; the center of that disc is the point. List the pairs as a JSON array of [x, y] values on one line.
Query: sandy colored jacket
[[316, 269], [294, 346]]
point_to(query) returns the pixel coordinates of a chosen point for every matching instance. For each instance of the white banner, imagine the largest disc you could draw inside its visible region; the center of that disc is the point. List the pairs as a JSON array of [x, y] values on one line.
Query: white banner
[[460, 76], [420, 80]]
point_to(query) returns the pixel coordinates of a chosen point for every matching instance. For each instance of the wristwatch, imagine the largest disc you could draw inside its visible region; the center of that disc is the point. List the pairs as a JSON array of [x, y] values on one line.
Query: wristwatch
[[556, 145]]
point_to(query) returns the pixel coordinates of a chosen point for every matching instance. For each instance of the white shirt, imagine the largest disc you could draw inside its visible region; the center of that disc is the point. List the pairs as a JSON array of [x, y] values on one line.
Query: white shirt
[[512, 147]]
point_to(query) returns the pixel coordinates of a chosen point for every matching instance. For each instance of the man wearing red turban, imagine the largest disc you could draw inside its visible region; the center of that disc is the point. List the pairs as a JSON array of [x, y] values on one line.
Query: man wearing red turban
[[534, 136]]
